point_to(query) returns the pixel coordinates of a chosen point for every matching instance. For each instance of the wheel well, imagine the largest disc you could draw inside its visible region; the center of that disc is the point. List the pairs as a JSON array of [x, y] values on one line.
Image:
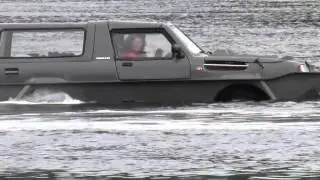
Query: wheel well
[[241, 91]]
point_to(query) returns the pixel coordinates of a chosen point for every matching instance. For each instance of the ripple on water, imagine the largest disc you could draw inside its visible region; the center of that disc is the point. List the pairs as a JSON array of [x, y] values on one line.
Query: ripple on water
[[180, 153]]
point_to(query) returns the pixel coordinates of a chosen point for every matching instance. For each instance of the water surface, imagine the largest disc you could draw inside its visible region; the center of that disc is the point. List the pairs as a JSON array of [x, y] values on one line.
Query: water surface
[[57, 137]]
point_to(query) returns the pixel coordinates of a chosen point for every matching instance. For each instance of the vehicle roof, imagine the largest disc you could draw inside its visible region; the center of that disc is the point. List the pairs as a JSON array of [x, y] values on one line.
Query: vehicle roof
[[133, 24], [113, 24], [41, 25]]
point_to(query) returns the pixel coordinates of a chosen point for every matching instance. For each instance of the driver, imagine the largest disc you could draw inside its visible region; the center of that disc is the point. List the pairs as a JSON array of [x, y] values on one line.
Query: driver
[[135, 45]]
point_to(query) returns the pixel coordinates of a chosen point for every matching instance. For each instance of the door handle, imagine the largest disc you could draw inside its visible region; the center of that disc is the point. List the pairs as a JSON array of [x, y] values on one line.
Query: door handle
[[11, 71], [127, 64]]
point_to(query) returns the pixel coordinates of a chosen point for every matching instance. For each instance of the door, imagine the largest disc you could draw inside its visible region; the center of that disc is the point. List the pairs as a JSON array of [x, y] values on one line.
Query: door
[[146, 54]]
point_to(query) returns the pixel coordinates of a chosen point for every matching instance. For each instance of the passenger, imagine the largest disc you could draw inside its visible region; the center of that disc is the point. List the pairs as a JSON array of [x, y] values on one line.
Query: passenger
[[135, 47], [158, 53]]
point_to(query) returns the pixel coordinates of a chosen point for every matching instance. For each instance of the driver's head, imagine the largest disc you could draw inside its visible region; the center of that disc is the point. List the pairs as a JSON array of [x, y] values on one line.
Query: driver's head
[[137, 42]]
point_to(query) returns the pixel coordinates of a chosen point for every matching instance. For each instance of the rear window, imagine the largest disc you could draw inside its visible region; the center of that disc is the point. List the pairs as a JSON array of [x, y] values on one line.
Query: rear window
[[48, 43]]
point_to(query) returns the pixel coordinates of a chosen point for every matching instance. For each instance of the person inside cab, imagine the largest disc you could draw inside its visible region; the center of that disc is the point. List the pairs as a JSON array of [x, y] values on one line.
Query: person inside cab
[[134, 46]]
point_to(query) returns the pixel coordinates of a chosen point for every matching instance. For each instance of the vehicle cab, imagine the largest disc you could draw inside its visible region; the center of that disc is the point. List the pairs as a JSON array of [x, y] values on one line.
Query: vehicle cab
[[148, 51]]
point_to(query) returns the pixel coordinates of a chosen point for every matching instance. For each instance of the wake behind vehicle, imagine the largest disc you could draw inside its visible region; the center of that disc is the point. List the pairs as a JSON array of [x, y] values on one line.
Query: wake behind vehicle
[[118, 62]]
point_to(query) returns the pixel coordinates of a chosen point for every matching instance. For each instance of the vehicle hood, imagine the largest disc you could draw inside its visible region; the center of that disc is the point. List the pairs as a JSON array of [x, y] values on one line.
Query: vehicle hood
[[227, 55]]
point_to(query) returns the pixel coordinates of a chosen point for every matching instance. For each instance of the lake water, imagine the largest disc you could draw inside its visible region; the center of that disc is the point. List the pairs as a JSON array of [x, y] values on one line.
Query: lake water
[[52, 136]]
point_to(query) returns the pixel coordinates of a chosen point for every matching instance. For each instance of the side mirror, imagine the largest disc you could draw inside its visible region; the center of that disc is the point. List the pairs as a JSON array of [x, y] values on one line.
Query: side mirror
[[177, 51]]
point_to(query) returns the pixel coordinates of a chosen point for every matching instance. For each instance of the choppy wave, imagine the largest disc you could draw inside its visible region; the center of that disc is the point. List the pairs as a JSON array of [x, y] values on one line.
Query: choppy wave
[[44, 97], [232, 116], [150, 125]]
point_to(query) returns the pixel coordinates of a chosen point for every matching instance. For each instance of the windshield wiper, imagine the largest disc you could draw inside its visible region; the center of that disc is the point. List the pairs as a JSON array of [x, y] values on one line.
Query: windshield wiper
[[206, 52], [209, 52]]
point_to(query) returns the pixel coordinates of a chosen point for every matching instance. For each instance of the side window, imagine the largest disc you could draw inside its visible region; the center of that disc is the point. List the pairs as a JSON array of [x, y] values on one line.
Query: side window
[[48, 43], [2, 45], [142, 45]]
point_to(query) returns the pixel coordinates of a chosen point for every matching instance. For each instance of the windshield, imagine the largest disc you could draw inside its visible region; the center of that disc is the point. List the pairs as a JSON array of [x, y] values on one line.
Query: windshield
[[192, 47]]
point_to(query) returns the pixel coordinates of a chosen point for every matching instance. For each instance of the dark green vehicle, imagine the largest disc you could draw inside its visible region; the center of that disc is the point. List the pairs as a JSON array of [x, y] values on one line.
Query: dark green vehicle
[[116, 62]]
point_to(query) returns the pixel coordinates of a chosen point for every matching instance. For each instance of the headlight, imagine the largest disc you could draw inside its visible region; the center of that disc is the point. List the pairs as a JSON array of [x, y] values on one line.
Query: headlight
[[303, 68]]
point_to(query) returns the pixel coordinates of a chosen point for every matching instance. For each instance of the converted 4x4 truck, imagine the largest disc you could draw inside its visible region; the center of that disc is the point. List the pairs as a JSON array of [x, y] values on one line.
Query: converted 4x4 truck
[[116, 62]]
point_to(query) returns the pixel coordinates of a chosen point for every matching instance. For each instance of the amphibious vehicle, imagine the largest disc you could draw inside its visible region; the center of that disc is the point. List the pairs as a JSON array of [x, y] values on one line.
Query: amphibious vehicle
[[119, 62]]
